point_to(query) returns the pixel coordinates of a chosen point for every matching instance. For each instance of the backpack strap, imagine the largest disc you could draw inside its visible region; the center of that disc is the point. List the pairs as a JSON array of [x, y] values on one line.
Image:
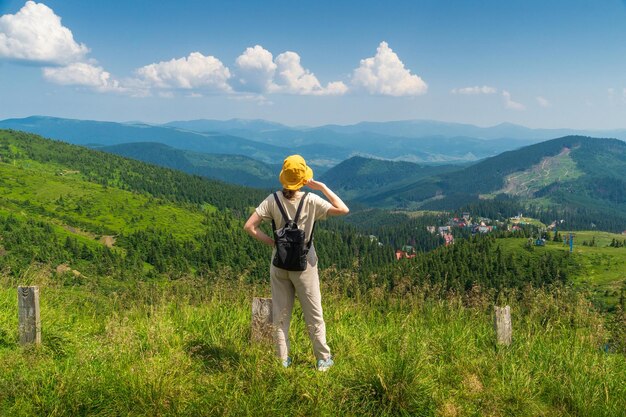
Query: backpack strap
[[282, 209], [299, 208], [284, 213]]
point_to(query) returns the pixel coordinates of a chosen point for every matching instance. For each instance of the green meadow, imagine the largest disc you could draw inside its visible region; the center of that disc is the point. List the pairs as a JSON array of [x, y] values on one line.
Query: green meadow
[[601, 268], [182, 348], [31, 189], [159, 324]]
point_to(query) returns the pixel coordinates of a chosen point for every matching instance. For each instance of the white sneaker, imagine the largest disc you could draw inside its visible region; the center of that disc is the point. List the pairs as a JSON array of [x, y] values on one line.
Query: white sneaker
[[323, 365]]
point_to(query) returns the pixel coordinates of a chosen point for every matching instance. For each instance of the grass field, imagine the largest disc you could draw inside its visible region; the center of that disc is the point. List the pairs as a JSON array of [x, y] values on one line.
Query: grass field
[[602, 268], [182, 348], [41, 191]]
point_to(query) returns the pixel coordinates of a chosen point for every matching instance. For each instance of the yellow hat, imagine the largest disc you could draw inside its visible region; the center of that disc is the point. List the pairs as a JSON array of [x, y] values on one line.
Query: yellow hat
[[295, 173]]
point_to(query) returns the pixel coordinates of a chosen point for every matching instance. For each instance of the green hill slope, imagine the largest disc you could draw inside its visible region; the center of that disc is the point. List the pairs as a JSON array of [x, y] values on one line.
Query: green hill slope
[[81, 202], [359, 177], [161, 220], [573, 177], [600, 267], [235, 169], [114, 171]]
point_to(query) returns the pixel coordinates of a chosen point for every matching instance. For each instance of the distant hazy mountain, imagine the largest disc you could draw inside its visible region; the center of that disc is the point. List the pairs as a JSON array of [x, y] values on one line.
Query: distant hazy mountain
[[95, 133], [322, 147], [420, 128], [235, 169], [427, 149], [207, 125], [423, 142], [87, 132], [405, 128]]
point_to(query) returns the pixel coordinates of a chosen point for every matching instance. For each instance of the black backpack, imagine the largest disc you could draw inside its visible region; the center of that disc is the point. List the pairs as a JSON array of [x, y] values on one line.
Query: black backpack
[[291, 249]]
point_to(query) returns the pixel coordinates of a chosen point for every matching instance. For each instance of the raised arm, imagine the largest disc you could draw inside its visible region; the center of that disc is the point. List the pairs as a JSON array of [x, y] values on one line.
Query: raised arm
[[252, 228], [339, 208]]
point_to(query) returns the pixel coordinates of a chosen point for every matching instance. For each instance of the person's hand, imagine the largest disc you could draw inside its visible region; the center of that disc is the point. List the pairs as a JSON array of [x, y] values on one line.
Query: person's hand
[[315, 185]]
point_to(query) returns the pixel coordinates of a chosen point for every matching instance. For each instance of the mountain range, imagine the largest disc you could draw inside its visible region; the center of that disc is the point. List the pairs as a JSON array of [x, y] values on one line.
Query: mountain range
[[402, 128], [425, 142], [96, 133], [578, 175], [369, 169]]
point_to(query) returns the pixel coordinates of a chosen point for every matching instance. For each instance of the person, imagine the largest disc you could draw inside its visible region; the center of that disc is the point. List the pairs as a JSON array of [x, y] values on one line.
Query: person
[[285, 285]]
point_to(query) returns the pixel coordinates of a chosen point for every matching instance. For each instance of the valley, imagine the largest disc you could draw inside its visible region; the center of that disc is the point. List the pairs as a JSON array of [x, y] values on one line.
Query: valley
[[137, 260]]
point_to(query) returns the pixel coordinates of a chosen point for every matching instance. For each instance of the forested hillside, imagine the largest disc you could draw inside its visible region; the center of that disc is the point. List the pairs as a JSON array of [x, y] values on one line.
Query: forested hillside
[[235, 169], [109, 170], [161, 219], [358, 177], [578, 179]]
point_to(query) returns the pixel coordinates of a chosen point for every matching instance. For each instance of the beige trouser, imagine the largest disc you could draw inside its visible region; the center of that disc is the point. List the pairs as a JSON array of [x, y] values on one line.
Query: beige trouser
[[306, 285]]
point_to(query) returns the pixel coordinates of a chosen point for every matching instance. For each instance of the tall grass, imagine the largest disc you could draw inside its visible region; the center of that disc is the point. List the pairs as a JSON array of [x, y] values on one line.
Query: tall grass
[[182, 348]]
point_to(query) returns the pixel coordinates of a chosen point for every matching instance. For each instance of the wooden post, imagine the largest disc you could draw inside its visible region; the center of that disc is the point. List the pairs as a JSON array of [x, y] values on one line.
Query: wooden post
[[261, 319], [28, 315], [504, 331]]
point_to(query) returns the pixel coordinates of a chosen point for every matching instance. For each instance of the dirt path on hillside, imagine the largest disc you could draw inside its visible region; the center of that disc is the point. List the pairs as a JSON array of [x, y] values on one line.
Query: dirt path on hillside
[[78, 231], [537, 173], [106, 240]]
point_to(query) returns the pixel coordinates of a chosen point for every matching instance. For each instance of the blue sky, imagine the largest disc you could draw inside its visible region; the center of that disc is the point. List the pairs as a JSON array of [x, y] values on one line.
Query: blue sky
[[536, 63]]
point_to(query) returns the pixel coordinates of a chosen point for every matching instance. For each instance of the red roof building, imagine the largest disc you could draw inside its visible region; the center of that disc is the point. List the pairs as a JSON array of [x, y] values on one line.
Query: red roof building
[[402, 254]]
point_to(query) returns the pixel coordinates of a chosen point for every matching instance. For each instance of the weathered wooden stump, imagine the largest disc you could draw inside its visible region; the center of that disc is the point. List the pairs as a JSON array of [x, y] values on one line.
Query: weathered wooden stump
[[28, 315], [502, 323], [261, 319]]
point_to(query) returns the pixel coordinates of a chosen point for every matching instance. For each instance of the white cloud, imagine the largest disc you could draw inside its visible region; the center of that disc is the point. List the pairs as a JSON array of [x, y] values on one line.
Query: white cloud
[[485, 89], [195, 71], [543, 102], [385, 74], [335, 88], [257, 71], [292, 78], [35, 34], [82, 74], [510, 104]]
